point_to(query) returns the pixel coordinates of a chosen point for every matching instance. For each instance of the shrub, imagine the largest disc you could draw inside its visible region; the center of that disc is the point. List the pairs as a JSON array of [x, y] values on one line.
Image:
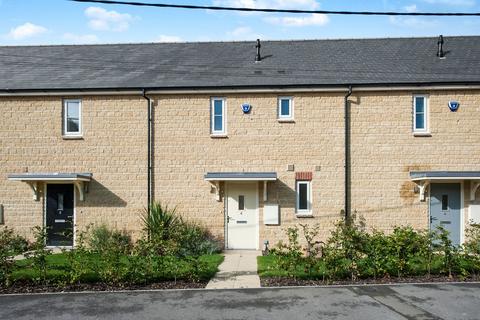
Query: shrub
[[78, 264], [103, 239], [11, 242], [345, 248], [39, 254], [472, 247], [195, 240], [287, 255], [161, 223], [168, 234]]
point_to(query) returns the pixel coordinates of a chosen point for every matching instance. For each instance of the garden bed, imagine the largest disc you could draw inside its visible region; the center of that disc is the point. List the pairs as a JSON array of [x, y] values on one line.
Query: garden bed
[[27, 287], [178, 276], [287, 282]]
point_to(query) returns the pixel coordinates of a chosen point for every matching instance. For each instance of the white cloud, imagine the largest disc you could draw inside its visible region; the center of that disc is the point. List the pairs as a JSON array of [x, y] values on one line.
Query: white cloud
[[243, 33], [101, 19], [167, 38], [464, 3], [413, 22], [26, 30], [311, 20], [271, 4], [410, 8], [80, 38]]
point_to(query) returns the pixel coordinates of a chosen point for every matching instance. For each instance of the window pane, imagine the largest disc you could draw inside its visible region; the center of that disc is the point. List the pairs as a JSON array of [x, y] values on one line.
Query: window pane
[[285, 107], [218, 107], [241, 202], [217, 123], [73, 125], [60, 201], [419, 104], [303, 196], [73, 110], [420, 121], [444, 202]]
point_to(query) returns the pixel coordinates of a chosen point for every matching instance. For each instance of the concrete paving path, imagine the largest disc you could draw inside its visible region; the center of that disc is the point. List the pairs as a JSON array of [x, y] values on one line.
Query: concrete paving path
[[238, 270]]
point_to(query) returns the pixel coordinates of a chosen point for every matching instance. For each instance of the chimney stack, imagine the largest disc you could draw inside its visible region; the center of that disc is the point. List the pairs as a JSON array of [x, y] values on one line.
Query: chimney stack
[[440, 52], [258, 56]]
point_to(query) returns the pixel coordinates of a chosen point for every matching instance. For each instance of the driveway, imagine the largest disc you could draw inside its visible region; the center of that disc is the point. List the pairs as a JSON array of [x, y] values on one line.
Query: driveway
[[428, 301]]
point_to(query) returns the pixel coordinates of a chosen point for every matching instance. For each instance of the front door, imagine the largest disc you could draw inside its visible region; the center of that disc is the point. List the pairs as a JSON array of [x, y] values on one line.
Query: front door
[[59, 217], [445, 206], [242, 216]]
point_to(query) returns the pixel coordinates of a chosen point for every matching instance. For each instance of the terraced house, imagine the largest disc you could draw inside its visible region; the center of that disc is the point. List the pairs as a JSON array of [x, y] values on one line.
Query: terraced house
[[247, 138]]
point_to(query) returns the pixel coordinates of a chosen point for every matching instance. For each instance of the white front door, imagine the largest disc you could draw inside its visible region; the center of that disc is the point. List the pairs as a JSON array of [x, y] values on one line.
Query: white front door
[[242, 215]]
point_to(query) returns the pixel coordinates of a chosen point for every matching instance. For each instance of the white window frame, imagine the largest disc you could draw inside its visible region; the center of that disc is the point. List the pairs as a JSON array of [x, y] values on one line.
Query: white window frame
[[67, 133], [288, 117], [424, 130], [307, 211], [214, 132]]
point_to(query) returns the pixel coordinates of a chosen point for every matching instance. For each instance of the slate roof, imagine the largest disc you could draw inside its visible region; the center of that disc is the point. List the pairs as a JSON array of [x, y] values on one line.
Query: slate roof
[[231, 64]]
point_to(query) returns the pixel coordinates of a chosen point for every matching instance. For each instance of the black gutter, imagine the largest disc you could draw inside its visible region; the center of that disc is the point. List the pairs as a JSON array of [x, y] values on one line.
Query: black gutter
[[347, 155], [243, 87], [149, 151]]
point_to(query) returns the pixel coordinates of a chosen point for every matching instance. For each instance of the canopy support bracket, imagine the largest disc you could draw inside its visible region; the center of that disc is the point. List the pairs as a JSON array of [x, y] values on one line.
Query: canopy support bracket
[[473, 189], [36, 190]]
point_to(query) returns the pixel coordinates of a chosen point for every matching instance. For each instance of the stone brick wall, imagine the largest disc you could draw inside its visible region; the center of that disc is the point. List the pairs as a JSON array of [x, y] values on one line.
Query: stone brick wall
[[113, 148]]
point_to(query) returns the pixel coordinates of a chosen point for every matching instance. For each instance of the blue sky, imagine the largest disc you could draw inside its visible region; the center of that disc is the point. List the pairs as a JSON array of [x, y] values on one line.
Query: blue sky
[[63, 22]]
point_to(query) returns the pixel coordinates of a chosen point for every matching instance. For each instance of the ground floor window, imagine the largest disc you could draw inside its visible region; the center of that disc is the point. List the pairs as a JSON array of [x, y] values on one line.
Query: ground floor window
[[304, 197]]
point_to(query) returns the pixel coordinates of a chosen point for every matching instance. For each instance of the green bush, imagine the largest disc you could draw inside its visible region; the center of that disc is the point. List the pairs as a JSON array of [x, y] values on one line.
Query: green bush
[[195, 240], [11, 244], [39, 254], [168, 234], [351, 252], [102, 239]]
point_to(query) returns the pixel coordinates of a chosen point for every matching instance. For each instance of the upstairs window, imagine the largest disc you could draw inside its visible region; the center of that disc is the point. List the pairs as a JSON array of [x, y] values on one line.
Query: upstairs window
[[285, 108], [218, 116], [72, 117], [420, 114]]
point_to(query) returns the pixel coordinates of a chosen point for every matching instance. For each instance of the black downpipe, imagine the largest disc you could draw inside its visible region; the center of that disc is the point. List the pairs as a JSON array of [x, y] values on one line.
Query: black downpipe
[[347, 155], [149, 151]]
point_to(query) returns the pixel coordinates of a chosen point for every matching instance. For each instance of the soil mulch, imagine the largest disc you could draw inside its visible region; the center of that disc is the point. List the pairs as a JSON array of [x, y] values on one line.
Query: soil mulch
[[286, 282], [32, 288]]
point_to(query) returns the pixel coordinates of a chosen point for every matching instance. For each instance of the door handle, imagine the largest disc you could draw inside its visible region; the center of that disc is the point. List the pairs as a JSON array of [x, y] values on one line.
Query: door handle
[[432, 218], [228, 219]]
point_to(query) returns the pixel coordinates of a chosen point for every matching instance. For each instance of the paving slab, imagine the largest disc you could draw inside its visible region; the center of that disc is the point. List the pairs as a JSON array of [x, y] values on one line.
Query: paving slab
[[238, 270]]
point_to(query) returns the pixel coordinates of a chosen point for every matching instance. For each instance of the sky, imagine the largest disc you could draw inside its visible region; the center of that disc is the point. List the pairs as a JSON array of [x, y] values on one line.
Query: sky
[[28, 22]]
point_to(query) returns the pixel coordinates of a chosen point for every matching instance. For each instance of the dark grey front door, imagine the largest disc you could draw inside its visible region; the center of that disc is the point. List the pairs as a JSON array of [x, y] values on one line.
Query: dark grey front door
[[59, 218], [445, 206]]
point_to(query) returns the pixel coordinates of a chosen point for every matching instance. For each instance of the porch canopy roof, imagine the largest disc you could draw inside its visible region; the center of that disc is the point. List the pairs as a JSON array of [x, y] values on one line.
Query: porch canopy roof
[[56, 176], [241, 176], [423, 179], [33, 178]]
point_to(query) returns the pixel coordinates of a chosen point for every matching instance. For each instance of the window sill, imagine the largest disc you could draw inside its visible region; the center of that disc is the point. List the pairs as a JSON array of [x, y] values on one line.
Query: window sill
[[286, 120], [422, 134], [219, 135], [304, 215], [64, 137]]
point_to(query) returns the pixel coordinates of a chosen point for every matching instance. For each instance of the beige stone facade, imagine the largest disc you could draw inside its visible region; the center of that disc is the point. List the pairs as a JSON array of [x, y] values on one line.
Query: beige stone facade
[[114, 149]]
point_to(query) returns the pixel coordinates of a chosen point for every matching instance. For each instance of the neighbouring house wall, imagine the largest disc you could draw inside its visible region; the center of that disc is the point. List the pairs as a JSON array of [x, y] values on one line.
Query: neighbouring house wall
[[384, 151], [113, 148]]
